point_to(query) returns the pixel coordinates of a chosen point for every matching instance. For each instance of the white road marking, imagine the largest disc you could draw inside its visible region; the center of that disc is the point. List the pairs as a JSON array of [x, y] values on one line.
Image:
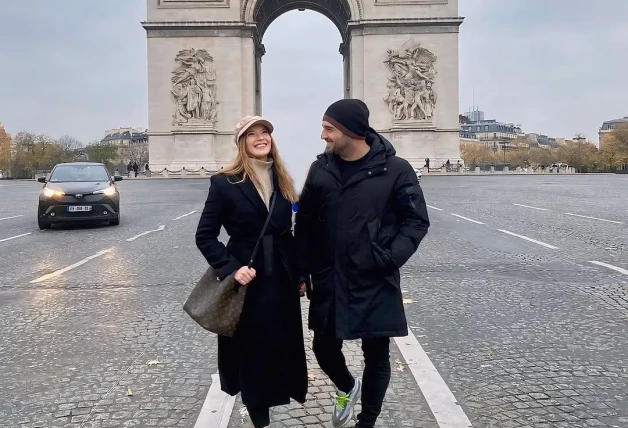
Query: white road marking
[[160, 228], [75, 265], [14, 237], [184, 215], [15, 216], [529, 239], [217, 408], [444, 406], [534, 208], [434, 208], [595, 218], [606, 265], [467, 219]]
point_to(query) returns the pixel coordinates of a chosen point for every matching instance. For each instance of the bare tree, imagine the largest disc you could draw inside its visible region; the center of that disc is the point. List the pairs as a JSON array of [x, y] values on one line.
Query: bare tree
[[614, 153], [69, 146], [138, 153], [33, 152]]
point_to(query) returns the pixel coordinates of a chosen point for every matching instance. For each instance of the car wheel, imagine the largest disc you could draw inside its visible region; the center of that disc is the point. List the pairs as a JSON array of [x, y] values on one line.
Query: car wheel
[[43, 224], [116, 222]]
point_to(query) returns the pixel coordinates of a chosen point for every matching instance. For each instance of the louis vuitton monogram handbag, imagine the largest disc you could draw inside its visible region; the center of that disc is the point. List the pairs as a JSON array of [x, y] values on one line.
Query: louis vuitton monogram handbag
[[217, 305]]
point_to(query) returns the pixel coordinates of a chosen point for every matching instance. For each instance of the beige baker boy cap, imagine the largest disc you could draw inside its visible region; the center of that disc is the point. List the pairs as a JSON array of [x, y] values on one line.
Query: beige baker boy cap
[[248, 121]]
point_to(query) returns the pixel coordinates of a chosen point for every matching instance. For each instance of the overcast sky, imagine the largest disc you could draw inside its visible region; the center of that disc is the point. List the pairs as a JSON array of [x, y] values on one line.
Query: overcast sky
[[78, 67]]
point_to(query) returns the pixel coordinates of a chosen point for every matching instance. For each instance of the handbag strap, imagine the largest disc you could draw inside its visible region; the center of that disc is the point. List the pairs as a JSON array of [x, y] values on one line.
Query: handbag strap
[[261, 235]]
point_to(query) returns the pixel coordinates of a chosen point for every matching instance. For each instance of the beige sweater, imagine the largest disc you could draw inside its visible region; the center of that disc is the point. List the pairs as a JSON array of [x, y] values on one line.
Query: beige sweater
[[264, 173]]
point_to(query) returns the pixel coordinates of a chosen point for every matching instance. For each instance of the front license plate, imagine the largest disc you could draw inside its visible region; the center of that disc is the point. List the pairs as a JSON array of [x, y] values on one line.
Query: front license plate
[[75, 209]]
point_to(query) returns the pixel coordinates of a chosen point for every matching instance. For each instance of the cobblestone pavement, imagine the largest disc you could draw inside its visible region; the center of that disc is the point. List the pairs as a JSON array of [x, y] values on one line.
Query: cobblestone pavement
[[404, 405], [106, 344], [523, 335], [527, 336]]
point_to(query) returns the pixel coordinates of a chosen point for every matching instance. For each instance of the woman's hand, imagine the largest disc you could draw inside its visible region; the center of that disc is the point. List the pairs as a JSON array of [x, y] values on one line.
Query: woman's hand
[[245, 275]]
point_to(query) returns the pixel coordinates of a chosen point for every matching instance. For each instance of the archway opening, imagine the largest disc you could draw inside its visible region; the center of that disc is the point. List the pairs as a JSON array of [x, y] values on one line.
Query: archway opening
[[266, 11], [302, 73]]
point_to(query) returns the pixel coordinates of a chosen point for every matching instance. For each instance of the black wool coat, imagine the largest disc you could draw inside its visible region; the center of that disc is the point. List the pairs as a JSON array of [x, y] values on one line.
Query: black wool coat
[[354, 238], [265, 360]]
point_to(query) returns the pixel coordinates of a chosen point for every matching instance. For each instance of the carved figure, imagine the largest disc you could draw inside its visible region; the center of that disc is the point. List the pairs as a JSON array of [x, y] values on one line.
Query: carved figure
[[208, 104], [194, 88], [180, 111], [411, 94]]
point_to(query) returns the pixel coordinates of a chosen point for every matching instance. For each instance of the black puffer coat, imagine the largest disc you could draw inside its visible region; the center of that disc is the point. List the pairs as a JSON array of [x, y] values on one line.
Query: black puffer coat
[[353, 239]]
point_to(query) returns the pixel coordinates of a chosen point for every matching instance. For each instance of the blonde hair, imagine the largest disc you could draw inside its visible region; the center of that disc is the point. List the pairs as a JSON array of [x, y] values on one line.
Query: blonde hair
[[242, 165]]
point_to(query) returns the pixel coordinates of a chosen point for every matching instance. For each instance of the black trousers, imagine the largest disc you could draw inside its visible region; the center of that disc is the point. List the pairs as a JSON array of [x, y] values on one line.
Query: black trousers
[[259, 416], [376, 377]]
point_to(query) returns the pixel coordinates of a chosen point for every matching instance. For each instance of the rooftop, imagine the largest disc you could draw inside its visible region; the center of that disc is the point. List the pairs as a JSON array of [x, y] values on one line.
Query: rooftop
[[622, 120]]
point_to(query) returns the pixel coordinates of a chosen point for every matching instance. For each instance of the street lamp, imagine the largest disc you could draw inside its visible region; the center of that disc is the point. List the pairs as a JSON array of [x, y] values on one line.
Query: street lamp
[[579, 139]]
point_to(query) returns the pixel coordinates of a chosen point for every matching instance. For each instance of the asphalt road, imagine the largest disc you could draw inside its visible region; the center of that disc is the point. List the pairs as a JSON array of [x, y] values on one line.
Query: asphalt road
[[519, 295]]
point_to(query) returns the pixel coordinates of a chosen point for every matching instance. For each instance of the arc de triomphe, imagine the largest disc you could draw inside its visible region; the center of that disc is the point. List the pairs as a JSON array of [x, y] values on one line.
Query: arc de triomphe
[[204, 73]]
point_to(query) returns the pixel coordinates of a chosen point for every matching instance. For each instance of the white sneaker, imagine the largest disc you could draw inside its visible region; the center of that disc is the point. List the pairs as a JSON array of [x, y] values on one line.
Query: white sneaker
[[345, 404]]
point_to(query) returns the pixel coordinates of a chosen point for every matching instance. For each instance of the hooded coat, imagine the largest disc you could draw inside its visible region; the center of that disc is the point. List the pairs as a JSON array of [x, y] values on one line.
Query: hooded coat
[[353, 239]]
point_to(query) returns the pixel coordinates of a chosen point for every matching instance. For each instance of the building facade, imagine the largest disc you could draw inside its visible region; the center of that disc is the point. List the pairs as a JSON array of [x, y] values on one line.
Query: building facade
[[543, 141], [607, 128], [131, 145], [497, 136], [475, 115]]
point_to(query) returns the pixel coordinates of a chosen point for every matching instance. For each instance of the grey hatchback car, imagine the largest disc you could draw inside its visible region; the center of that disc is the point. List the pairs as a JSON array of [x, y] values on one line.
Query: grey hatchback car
[[79, 191]]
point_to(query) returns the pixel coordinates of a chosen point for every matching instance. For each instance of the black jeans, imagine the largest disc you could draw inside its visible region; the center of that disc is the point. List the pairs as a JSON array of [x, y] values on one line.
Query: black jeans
[[328, 351], [260, 416]]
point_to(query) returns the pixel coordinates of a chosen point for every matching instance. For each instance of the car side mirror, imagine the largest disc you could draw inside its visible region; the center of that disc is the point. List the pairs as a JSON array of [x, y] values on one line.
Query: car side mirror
[[42, 179], [117, 178]]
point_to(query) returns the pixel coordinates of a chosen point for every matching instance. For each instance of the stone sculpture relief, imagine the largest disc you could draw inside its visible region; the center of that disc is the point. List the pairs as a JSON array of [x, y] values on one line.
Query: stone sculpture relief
[[194, 89], [411, 94]]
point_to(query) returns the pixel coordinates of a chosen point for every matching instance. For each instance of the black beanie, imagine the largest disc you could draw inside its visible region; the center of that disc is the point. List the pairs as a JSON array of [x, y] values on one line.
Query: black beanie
[[351, 116]]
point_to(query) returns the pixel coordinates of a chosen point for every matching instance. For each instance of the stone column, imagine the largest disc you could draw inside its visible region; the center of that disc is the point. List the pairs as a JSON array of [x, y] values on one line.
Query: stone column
[[381, 51], [194, 69]]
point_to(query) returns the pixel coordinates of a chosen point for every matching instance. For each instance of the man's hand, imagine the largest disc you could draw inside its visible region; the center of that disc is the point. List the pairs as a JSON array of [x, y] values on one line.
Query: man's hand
[[245, 275]]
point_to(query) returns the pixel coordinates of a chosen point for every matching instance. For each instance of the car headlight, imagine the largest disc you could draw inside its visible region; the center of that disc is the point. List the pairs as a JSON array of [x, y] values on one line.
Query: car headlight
[[49, 193], [109, 191]]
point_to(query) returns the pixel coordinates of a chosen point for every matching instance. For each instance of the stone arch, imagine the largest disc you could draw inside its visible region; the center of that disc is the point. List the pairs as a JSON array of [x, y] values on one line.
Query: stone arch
[[264, 12], [393, 52]]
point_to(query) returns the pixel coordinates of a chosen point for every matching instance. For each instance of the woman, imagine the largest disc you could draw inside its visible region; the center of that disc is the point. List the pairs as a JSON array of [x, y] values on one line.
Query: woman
[[265, 360]]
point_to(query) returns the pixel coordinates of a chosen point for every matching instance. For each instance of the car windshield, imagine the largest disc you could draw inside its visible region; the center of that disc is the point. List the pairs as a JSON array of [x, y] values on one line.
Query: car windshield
[[79, 173]]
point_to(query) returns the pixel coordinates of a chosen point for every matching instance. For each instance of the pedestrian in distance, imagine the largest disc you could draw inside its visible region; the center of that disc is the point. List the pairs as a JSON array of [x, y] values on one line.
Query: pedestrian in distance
[[265, 359], [361, 216]]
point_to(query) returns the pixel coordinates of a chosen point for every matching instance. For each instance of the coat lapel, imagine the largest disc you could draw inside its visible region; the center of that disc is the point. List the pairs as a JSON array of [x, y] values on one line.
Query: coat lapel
[[251, 193]]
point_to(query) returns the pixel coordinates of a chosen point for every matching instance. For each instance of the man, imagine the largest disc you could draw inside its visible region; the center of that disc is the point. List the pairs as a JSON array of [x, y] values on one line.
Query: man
[[361, 216]]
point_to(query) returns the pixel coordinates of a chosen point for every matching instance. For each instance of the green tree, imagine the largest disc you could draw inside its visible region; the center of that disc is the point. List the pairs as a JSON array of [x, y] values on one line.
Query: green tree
[[5, 149], [101, 152]]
